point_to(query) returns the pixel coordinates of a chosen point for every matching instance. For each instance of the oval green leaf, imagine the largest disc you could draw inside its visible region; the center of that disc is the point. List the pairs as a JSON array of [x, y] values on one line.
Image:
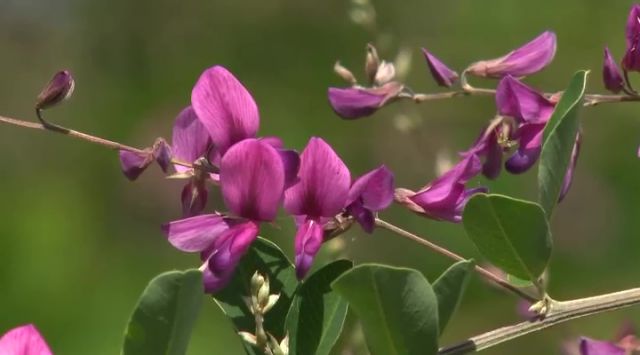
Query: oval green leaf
[[513, 234], [317, 313], [559, 138], [267, 258], [450, 287], [397, 307], [165, 315]]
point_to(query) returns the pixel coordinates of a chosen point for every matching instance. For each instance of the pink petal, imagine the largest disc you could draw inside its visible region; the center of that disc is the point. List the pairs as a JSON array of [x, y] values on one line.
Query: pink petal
[[133, 164], [307, 245], [530, 146], [355, 102], [611, 75], [24, 340], [225, 108], [598, 347], [252, 176], [194, 197], [195, 234], [515, 99], [439, 71], [324, 182], [375, 188], [190, 139]]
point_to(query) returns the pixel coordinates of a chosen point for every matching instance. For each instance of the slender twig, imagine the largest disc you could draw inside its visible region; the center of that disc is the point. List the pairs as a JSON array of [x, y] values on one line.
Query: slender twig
[[451, 255], [83, 136], [559, 312]]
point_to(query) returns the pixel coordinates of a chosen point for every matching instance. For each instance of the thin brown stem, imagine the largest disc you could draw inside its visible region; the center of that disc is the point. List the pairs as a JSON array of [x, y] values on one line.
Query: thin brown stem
[[451, 255], [559, 312]]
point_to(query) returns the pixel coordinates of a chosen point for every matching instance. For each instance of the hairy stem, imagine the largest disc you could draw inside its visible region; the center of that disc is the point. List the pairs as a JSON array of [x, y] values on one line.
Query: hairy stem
[[451, 255], [559, 312]]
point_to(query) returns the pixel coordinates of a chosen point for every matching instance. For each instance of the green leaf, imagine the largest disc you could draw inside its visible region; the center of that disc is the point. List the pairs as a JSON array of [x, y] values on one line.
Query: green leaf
[[449, 288], [559, 137], [397, 307], [317, 313], [265, 257], [165, 314], [513, 234]]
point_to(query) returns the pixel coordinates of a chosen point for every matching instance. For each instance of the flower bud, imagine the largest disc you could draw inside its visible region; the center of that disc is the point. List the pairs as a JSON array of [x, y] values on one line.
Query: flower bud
[[386, 72], [611, 74], [631, 60], [263, 295], [57, 90], [257, 280], [249, 338], [372, 63], [439, 71], [273, 299], [528, 59], [344, 73]]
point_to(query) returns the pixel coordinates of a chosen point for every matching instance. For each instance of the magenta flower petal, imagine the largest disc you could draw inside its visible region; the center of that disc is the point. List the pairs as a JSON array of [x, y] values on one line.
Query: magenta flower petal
[[24, 340], [568, 177], [162, 153], [224, 107], [365, 217], [632, 29], [374, 189], [530, 138], [323, 183], [359, 102], [308, 242], [515, 99], [59, 88], [611, 75], [439, 71], [133, 164], [228, 249], [273, 141], [252, 176], [528, 59], [598, 347], [291, 162], [493, 161], [195, 234], [190, 139]]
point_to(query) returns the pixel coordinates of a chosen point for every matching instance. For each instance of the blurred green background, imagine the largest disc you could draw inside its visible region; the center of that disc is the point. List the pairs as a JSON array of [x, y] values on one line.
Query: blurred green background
[[78, 242]]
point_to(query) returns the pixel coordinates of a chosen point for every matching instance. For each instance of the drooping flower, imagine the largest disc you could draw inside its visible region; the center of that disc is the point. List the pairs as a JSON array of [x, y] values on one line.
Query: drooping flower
[[225, 108], [445, 197], [526, 60], [631, 59], [439, 71], [24, 340], [356, 102], [319, 194], [252, 180], [57, 90], [370, 193], [133, 164], [611, 75]]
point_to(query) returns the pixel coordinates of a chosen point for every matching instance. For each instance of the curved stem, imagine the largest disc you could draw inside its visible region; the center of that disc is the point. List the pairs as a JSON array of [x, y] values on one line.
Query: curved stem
[[451, 255], [559, 312]]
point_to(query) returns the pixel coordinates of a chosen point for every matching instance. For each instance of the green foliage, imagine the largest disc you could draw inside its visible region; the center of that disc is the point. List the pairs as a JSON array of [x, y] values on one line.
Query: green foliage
[[397, 306], [559, 137], [165, 315], [449, 288], [317, 313], [513, 234]]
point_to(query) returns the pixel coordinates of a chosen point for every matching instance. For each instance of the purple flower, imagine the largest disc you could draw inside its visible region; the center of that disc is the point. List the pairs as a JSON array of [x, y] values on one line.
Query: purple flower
[[439, 71], [320, 193], [517, 100], [57, 90], [445, 197], [590, 346], [631, 60], [356, 102], [370, 193], [24, 340], [487, 145], [252, 178], [225, 108], [611, 75], [528, 59], [133, 164]]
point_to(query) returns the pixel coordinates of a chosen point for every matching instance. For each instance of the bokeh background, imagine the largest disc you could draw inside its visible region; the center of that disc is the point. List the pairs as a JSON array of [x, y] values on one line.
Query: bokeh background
[[78, 242]]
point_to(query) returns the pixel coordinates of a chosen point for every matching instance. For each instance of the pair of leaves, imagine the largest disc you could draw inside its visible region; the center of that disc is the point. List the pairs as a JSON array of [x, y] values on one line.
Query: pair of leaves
[[514, 234], [401, 312]]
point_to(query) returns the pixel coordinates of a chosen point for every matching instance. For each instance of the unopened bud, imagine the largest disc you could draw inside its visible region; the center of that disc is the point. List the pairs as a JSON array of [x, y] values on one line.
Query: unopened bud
[[385, 73], [263, 294], [279, 349], [344, 73], [273, 299], [248, 337], [57, 90], [257, 281], [372, 62]]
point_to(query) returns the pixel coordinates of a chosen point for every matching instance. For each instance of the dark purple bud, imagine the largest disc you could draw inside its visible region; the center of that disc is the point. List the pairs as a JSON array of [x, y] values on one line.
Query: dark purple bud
[[611, 75], [528, 59], [439, 71], [355, 102], [568, 177], [57, 90], [590, 346]]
